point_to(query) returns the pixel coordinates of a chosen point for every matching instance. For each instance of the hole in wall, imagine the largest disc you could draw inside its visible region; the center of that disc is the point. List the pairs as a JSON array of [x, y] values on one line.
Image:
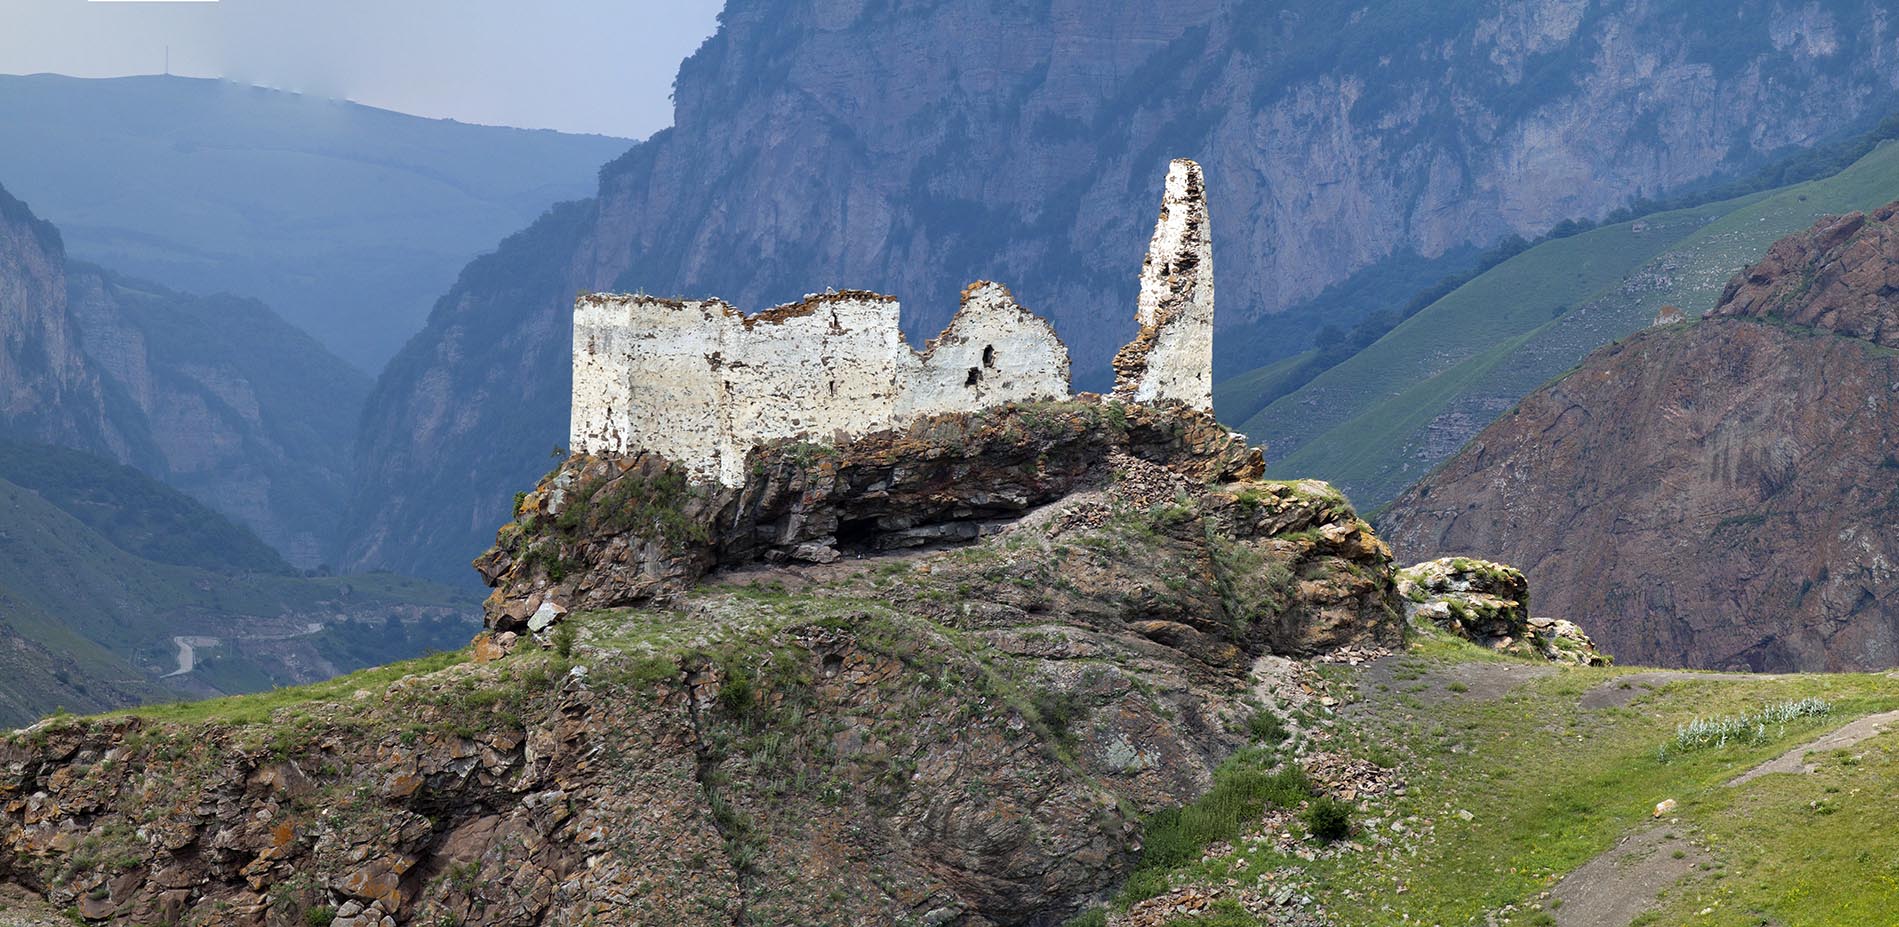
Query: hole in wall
[[833, 664], [975, 376], [856, 533], [988, 355]]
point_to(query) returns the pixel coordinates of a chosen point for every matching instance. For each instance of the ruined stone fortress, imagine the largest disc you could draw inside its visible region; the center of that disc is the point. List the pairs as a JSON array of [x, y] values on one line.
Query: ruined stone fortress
[[703, 384]]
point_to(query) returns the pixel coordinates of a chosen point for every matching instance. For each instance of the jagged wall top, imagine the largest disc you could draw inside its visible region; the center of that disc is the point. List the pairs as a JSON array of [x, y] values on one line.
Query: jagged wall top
[[702, 383]]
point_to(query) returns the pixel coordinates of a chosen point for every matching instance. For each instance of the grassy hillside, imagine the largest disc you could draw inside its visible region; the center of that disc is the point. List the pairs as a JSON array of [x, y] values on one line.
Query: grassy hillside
[[103, 569], [348, 220], [1380, 420], [1529, 794], [1478, 789]]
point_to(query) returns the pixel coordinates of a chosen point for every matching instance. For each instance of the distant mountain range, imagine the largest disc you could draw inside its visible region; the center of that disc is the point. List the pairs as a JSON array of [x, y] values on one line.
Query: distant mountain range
[[348, 220], [215, 395]]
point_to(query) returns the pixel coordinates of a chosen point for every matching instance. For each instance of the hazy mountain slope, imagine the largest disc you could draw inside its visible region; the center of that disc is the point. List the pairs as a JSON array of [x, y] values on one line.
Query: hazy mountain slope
[[216, 395], [1384, 418], [47, 386], [853, 144], [1715, 493], [101, 571], [134, 512], [244, 411], [346, 219]]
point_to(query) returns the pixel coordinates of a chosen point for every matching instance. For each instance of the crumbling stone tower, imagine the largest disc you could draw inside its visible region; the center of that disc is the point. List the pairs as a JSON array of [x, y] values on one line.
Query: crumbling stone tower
[[1172, 357], [703, 384]]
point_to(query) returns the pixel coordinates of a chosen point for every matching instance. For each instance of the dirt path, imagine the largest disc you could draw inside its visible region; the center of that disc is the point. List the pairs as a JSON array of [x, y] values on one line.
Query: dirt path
[[1795, 760], [1616, 887], [1475, 681], [1620, 884]]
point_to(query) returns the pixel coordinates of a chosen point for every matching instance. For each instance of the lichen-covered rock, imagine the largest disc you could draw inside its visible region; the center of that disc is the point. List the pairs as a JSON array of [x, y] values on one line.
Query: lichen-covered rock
[[602, 532], [1562, 641], [1489, 604]]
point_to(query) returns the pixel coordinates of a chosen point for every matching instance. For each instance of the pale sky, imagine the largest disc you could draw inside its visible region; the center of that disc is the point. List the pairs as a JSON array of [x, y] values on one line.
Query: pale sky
[[601, 66]]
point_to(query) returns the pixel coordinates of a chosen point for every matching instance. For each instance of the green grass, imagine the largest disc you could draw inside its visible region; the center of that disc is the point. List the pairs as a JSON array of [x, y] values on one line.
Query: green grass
[[1802, 851], [258, 707], [1550, 784], [1238, 398], [1366, 423]]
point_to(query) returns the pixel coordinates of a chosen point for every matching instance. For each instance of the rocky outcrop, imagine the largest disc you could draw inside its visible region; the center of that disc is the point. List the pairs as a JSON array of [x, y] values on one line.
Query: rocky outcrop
[[214, 395], [1714, 494], [1489, 604], [603, 532], [1841, 277], [858, 143], [956, 734]]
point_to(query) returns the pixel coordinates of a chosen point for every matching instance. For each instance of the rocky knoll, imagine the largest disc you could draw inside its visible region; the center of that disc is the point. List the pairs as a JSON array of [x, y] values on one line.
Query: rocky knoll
[[938, 734], [609, 532], [1713, 494]]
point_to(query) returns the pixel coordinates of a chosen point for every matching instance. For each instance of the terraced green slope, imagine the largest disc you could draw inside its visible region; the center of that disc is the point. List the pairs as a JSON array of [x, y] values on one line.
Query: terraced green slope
[[1379, 421]]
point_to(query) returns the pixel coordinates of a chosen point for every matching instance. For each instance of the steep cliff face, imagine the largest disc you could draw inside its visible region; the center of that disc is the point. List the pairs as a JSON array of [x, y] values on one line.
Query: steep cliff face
[[214, 395], [242, 410], [1714, 494], [848, 142], [47, 386]]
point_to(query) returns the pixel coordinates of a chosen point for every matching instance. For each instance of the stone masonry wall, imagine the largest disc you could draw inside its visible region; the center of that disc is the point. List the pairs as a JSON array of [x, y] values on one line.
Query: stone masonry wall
[[1172, 356], [702, 383]]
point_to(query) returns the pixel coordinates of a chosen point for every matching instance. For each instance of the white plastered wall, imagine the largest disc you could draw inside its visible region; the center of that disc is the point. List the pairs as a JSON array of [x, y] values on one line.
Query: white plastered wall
[[702, 384]]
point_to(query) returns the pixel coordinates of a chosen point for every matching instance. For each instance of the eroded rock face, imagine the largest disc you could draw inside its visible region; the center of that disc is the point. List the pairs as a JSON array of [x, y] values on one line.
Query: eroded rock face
[[610, 531], [1842, 276], [1715, 494], [1489, 604]]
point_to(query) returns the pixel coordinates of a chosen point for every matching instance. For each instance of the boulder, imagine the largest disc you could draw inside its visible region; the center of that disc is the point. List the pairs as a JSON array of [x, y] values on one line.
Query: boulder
[[1489, 604]]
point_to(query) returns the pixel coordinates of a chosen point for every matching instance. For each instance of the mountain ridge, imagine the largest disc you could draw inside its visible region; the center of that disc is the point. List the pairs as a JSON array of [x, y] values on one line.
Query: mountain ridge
[[347, 219]]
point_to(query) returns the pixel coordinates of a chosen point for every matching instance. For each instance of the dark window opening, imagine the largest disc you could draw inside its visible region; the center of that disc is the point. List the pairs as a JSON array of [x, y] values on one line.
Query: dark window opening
[[975, 374], [988, 355]]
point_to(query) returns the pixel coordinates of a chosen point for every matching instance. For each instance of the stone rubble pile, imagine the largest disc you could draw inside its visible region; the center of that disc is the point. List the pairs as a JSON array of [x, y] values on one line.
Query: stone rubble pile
[[1350, 778]]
